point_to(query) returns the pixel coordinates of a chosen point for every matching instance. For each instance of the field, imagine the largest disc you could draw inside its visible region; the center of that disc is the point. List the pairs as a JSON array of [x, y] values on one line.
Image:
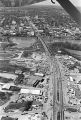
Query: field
[[23, 42]]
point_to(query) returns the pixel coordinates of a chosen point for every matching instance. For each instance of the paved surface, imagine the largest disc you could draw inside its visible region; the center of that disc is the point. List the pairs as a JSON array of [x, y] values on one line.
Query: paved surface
[[57, 75]]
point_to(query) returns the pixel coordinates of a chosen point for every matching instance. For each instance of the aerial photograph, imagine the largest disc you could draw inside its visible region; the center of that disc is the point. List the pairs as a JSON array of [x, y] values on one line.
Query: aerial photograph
[[40, 60]]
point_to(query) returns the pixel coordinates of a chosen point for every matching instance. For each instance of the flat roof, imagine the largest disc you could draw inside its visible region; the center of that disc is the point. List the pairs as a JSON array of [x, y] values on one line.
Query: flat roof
[[8, 75]]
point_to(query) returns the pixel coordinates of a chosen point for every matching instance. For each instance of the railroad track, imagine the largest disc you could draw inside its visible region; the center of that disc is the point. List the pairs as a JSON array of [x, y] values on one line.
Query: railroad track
[[56, 106]]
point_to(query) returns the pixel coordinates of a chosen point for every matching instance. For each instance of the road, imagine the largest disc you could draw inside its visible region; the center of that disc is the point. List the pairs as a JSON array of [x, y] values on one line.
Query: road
[[59, 79], [57, 105]]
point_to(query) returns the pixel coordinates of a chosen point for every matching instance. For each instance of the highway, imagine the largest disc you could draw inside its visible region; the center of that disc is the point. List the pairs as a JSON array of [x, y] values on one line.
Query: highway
[[58, 87], [57, 75]]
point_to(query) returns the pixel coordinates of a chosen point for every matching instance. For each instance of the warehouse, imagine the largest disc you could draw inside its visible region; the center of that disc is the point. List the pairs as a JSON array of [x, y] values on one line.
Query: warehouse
[[8, 76], [31, 91]]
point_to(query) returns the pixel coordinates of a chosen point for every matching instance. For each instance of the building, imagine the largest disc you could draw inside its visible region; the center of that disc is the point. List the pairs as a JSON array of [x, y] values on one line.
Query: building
[[39, 74], [30, 117], [72, 115], [31, 91], [8, 76], [7, 85], [8, 118], [37, 104]]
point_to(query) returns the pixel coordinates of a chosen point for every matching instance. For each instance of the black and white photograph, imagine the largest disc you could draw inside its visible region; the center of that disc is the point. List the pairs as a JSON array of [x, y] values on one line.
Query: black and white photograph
[[40, 59]]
